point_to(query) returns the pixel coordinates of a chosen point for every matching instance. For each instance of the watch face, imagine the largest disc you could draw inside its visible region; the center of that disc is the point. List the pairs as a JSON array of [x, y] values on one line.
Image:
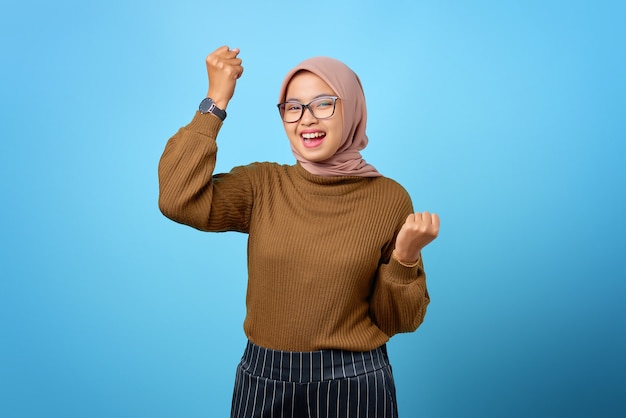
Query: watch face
[[207, 106]]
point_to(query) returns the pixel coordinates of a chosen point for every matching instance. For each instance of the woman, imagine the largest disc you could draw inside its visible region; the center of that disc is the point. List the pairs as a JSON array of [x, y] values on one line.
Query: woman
[[334, 265]]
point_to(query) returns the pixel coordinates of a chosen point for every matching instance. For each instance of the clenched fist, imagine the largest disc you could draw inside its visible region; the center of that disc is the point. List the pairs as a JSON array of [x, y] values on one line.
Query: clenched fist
[[224, 69], [419, 230]]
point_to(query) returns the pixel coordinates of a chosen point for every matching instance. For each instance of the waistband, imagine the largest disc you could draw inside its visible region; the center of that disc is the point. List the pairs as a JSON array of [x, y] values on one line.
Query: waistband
[[313, 366]]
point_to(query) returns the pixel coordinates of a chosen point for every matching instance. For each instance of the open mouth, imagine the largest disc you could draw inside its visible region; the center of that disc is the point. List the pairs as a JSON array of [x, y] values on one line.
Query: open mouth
[[313, 139]]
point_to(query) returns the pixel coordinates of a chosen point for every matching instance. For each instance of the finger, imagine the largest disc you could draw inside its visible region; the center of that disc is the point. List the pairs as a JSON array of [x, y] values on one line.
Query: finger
[[236, 72], [233, 68], [221, 50], [410, 219], [232, 61], [436, 220], [231, 53], [222, 53]]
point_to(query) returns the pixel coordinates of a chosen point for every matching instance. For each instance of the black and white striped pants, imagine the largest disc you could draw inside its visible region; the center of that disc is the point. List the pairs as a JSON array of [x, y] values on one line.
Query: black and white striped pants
[[319, 384]]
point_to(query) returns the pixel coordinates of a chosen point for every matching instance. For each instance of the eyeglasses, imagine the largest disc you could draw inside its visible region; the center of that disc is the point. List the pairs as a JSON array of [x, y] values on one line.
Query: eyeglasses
[[320, 108]]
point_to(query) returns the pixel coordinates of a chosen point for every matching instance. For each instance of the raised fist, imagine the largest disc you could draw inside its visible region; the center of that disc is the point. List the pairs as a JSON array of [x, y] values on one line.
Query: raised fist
[[419, 230], [223, 69]]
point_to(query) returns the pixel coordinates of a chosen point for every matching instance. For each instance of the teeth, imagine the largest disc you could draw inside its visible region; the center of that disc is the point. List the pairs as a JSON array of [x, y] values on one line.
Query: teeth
[[313, 135]]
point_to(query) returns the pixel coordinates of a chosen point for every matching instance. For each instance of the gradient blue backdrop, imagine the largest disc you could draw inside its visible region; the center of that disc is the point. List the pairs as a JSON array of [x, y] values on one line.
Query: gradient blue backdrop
[[506, 118]]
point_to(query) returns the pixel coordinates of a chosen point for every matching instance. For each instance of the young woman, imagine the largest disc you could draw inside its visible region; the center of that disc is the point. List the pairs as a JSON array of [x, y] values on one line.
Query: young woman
[[334, 247]]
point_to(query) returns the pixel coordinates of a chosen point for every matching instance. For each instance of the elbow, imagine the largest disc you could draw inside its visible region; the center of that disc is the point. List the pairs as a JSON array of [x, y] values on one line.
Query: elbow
[[405, 318], [410, 324], [420, 313], [417, 320], [178, 211], [170, 209]]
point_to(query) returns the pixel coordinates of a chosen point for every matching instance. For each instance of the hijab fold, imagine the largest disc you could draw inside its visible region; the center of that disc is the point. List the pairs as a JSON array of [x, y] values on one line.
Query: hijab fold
[[347, 161]]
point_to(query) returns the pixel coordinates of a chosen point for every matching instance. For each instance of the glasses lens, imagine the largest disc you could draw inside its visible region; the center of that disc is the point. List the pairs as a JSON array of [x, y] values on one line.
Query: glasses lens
[[290, 111], [323, 108]]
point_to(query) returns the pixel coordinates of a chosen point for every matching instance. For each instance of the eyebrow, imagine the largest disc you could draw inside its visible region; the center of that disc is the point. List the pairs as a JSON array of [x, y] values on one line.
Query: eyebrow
[[293, 99]]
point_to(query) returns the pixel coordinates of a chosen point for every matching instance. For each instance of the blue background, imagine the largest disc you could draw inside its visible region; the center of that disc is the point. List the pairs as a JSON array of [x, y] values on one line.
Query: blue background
[[506, 118]]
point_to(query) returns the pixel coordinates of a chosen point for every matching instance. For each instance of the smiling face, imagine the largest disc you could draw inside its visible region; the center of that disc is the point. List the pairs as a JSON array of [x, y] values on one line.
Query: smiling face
[[314, 139]]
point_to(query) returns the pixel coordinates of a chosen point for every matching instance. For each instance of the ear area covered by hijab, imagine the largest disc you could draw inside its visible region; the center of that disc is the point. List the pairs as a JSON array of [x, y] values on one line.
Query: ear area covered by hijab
[[347, 161]]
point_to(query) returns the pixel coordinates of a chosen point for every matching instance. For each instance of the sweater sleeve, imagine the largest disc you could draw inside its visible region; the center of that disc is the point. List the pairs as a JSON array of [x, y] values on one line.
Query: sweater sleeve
[[399, 298], [189, 192]]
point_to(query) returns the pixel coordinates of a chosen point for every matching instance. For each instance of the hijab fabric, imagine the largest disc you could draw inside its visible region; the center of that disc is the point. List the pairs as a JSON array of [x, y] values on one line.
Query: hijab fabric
[[347, 161]]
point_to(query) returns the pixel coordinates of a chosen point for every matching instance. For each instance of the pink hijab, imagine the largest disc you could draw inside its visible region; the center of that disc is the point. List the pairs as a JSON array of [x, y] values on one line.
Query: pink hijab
[[346, 84]]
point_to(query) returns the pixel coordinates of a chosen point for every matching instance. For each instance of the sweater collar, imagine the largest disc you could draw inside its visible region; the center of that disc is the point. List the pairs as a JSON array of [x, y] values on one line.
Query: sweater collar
[[327, 185]]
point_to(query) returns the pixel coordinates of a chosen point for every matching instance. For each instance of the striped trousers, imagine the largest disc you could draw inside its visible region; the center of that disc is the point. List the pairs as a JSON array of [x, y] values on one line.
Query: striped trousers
[[320, 384]]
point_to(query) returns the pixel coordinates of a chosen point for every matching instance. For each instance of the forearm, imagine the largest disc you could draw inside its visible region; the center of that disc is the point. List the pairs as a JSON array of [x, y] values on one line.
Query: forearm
[[185, 170]]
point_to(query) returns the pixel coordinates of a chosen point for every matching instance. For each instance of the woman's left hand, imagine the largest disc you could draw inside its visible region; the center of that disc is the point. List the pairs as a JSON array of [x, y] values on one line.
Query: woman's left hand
[[419, 230]]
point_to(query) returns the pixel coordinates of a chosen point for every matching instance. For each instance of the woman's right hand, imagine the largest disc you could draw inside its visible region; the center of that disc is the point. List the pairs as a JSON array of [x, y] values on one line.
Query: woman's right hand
[[224, 69]]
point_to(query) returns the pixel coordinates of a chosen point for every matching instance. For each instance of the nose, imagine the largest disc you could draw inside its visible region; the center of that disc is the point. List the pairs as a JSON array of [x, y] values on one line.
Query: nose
[[308, 117]]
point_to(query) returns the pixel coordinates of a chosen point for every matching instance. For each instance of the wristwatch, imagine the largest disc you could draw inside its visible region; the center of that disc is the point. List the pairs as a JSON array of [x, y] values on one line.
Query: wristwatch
[[207, 106]]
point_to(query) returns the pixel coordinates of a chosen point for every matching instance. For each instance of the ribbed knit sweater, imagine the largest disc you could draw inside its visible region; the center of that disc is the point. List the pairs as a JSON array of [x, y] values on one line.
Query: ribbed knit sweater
[[320, 270]]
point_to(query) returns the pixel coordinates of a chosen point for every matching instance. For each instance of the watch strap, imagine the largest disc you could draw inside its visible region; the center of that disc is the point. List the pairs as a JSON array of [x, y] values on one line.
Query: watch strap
[[208, 106]]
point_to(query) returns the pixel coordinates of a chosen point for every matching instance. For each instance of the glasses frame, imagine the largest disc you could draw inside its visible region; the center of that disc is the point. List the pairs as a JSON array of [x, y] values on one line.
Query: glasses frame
[[308, 106]]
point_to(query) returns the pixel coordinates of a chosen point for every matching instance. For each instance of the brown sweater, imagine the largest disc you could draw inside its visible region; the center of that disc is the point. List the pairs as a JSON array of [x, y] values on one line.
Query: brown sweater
[[320, 271]]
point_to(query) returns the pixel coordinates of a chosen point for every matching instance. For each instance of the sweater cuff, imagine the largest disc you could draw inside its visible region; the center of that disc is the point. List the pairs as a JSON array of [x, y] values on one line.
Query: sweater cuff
[[403, 273], [411, 265], [205, 123]]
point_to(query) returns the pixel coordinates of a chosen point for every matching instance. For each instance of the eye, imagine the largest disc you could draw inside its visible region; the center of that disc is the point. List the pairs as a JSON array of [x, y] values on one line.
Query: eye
[[293, 107], [323, 102]]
